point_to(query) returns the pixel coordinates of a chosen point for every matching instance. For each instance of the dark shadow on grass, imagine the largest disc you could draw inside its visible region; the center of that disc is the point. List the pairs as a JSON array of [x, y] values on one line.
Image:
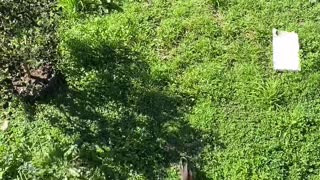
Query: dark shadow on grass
[[98, 7], [220, 4], [123, 121]]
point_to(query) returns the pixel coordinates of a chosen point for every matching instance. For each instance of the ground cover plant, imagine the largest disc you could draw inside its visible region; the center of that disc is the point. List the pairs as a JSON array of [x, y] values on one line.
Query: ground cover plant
[[28, 45], [148, 82]]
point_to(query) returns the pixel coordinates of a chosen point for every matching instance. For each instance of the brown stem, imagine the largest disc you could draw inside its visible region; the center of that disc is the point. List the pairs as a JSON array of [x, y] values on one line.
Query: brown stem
[[26, 68]]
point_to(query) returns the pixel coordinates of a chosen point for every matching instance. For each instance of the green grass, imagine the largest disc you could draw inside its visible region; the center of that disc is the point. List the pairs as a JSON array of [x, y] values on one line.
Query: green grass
[[154, 82]]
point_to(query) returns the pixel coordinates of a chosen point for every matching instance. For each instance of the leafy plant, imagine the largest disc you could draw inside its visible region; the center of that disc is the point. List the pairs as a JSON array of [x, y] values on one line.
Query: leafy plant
[[27, 35], [90, 7]]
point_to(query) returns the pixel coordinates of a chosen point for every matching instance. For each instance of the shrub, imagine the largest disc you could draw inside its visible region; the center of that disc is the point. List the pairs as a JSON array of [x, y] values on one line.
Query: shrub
[[27, 35]]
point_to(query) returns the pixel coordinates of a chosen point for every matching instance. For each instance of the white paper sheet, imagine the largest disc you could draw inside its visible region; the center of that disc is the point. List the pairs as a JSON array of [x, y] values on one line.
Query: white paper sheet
[[285, 51]]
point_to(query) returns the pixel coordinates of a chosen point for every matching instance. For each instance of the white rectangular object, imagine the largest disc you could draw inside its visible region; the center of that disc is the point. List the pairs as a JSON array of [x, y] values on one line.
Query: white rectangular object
[[285, 51]]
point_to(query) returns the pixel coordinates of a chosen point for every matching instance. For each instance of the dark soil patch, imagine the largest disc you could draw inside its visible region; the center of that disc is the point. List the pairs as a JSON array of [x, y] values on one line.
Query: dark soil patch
[[42, 82]]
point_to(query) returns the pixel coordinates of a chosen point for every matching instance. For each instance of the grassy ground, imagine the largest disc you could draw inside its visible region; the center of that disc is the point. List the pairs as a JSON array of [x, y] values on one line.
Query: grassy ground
[[150, 83]]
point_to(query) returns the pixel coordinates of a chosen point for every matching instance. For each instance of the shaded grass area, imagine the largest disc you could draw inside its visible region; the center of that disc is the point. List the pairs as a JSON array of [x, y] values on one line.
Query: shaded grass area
[[161, 80], [124, 123]]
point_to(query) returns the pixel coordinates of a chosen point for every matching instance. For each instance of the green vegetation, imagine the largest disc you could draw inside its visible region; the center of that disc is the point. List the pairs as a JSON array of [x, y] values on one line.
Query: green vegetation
[[28, 33], [150, 82], [28, 40]]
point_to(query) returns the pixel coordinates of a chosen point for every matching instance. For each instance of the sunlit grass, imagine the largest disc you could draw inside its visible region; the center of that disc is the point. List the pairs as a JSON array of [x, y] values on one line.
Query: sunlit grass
[[158, 81]]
